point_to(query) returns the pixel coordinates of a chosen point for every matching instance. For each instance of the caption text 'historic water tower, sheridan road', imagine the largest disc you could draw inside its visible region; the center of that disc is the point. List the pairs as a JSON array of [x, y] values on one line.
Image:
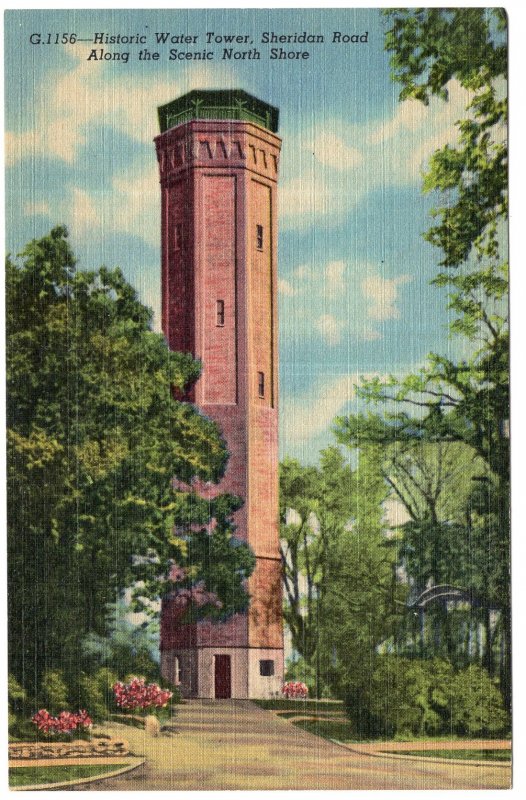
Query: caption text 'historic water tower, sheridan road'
[[218, 157]]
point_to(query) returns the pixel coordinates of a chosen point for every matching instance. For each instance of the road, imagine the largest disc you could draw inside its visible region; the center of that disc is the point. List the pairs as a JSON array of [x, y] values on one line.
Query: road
[[233, 744]]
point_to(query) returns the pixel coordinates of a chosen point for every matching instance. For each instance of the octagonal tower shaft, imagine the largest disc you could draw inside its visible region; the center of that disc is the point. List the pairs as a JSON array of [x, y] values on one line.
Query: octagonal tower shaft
[[219, 303]]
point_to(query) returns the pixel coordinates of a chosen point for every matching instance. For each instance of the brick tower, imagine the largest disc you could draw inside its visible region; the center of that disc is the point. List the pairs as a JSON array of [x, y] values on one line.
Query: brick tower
[[218, 159]]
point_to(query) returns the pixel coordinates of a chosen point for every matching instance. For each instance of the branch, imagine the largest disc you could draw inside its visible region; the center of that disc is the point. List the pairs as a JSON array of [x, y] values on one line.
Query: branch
[[412, 512]]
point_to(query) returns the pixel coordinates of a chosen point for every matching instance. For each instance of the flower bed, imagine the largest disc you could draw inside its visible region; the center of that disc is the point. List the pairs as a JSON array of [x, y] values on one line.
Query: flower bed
[[65, 722], [75, 749]]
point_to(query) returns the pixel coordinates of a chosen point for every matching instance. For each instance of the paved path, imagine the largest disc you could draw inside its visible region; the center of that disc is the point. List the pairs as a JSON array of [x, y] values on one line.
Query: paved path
[[233, 744]]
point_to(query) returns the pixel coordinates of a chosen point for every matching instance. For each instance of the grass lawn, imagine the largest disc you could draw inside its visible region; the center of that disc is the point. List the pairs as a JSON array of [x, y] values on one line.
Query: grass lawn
[[320, 713], [31, 776], [300, 705], [342, 731], [467, 755]]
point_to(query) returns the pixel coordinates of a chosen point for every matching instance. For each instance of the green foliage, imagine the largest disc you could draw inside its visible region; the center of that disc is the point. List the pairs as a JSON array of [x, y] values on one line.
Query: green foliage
[[220, 561], [453, 536], [414, 697], [298, 669], [364, 600], [95, 442], [95, 694], [432, 45], [315, 504], [127, 645], [408, 696], [17, 705], [54, 692], [476, 704], [16, 694], [342, 598], [429, 48]]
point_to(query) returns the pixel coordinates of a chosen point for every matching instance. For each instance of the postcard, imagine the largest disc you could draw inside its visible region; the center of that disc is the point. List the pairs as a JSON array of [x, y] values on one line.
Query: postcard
[[258, 399]]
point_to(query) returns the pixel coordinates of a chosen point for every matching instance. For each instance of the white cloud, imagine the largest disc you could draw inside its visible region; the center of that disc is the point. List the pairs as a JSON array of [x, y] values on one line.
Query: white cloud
[[73, 102], [393, 151], [334, 276], [131, 206], [415, 131], [302, 197], [330, 328], [303, 272], [409, 115], [332, 151], [136, 199], [85, 213], [305, 417], [339, 301], [306, 420], [43, 208], [382, 294], [285, 287]]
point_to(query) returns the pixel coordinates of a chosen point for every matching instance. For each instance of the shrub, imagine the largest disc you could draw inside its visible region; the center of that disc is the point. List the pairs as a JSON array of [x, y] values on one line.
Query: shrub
[[300, 670], [477, 708], [95, 693], [54, 690], [402, 697], [17, 705], [414, 697], [137, 694]]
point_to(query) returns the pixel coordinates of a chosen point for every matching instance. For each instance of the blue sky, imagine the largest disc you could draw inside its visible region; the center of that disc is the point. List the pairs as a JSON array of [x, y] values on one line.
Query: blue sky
[[354, 270]]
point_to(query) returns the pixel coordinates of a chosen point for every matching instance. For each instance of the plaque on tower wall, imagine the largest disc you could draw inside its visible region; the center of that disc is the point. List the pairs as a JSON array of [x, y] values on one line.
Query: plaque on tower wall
[[258, 473]]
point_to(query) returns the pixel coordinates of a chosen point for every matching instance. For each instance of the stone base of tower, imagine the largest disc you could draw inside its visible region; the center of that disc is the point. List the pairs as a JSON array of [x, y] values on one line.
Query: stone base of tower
[[239, 657], [224, 672]]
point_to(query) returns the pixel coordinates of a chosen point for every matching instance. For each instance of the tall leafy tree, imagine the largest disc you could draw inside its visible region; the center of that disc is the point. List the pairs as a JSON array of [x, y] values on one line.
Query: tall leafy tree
[[341, 593], [315, 505], [465, 400], [364, 600], [95, 441]]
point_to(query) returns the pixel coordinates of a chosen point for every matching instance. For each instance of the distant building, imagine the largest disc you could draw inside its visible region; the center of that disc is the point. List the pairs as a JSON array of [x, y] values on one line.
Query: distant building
[[218, 158]]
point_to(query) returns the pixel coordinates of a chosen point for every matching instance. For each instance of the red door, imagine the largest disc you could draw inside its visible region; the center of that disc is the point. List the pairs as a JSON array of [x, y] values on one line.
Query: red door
[[222, 677]]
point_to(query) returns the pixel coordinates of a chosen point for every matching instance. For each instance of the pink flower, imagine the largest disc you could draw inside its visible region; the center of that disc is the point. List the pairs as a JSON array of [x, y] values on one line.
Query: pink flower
[[66, 722], [293, 689], [138, 694], [177, 573]]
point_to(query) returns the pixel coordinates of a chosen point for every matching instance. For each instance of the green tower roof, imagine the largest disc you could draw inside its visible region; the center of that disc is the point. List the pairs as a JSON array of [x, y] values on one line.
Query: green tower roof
[[218, 104]]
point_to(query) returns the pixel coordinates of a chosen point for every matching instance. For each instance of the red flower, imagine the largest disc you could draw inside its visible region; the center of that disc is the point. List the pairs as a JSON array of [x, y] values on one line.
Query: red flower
[[66, 722], [295, 689], [138, 694]]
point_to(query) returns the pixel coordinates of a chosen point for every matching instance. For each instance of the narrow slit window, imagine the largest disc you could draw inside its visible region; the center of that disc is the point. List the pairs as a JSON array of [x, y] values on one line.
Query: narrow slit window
[[220, 313], [259, 237], [179, 238], [261, 384]]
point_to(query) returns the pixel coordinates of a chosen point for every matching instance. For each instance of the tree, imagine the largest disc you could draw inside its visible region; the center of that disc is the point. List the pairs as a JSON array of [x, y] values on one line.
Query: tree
[[364, 600], [315, 505], [128, 645], [95, 441], [466, 400], [341, 593]]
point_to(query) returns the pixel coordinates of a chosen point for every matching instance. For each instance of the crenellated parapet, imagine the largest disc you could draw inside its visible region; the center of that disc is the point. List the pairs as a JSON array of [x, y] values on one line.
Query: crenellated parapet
[[193, 145]]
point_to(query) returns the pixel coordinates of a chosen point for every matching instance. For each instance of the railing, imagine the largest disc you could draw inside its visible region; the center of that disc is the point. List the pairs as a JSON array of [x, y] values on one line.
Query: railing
[[217, 112]]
